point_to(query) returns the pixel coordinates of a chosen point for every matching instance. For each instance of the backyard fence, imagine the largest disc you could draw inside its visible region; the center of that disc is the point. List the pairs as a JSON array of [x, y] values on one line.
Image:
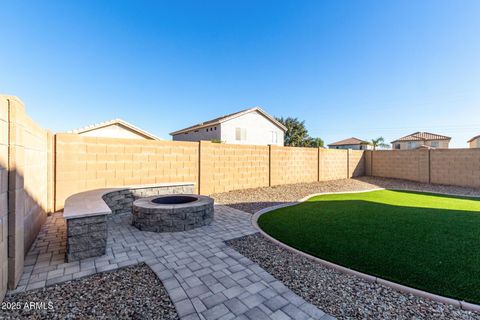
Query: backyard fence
[[458, 167], [38, 171], [84, 163], [26, 186]]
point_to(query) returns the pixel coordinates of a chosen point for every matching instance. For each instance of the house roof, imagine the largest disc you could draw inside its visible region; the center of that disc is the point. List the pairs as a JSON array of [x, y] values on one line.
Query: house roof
[[349, 141], [115, 122], [229, 117], [422, 136], [476, 137]]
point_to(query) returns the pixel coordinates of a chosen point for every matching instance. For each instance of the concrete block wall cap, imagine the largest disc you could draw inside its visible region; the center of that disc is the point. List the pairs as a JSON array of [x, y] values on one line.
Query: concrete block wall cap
[[91, 203], [416, 292]]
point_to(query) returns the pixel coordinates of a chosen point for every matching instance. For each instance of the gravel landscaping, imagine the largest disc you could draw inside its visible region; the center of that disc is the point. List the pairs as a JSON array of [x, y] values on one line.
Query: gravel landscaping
[[252, 200], [343, 296], [130, 293]]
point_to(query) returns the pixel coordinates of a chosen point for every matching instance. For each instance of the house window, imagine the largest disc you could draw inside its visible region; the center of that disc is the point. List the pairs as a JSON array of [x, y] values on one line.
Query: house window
[[240, 134], [435, 144], [215, 128], [412, 144], [397, 146], [273, 137]]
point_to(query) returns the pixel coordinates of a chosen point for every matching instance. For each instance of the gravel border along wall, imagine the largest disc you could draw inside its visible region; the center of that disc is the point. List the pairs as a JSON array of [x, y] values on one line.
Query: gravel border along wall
[[253, 200]]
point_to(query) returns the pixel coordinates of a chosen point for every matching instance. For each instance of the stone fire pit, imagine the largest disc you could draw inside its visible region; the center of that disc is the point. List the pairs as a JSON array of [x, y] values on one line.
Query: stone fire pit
[[170, 213]]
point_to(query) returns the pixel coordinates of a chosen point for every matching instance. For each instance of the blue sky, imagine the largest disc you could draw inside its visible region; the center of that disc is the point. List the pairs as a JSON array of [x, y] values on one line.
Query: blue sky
[[348, 68]]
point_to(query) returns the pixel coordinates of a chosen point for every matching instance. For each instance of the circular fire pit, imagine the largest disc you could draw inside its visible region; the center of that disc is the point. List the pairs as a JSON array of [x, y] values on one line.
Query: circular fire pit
[[171, 213]]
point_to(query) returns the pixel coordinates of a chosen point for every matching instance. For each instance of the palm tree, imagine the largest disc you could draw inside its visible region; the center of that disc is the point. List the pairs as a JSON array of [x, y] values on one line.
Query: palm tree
[[379, 142]]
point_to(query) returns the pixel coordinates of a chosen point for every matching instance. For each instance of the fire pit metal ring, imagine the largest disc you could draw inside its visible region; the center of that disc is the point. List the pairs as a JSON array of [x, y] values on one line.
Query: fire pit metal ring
[[170, 213]]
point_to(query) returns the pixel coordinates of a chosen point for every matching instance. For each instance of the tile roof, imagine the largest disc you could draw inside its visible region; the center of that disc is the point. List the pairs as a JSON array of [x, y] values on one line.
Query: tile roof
[[349, 141], [113, 122], [476, 137], [422, 136], [228, 117]]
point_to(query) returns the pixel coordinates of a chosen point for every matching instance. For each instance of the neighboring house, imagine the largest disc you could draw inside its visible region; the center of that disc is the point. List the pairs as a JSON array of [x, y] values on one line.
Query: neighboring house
[[474, 142], [116, 128], [250, 126], [421, 140], [351, 143]]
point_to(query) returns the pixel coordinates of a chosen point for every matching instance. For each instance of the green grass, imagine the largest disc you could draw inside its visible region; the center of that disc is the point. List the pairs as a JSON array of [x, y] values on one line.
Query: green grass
[[426, 241]]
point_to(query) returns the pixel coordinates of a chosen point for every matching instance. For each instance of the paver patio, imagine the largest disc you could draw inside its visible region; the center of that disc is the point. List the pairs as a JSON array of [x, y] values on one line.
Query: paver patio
[[204, 277]]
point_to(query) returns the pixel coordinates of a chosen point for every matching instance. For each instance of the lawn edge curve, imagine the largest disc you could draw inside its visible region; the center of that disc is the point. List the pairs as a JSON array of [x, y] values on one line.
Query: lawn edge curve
[[416, 292]]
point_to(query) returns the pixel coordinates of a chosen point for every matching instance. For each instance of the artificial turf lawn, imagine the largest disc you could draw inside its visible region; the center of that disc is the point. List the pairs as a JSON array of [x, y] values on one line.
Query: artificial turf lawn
[[426, 241]]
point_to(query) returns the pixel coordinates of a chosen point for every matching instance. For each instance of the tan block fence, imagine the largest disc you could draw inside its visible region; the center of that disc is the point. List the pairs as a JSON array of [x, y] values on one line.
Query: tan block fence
[[84, 163], [38, 171], [457, 167], [26, 186]]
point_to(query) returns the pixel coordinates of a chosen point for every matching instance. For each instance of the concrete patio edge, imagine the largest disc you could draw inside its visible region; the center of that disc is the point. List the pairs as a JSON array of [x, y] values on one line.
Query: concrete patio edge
[[420, 293]]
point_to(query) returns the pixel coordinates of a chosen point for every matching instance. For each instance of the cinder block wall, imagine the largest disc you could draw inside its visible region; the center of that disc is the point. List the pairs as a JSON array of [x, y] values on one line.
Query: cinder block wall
[[356, 163], [3, 197], [29, 152], [368, 162], [84, 163], [293, 165], [401, 164], [460, 167], [226, 167], [333, 164]]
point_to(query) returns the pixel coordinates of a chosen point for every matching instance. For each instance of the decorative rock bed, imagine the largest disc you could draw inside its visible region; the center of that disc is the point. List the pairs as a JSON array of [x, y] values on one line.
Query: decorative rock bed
[[172, 213], [86, 214]]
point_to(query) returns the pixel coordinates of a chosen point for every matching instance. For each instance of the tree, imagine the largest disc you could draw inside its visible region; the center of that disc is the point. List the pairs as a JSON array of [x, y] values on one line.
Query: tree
[[379, 142], [314, 142], [296, 133]]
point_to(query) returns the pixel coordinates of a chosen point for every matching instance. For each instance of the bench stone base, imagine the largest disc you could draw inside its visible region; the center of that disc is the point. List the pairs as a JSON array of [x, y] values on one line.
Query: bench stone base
[[86, 237], [87, 212], [121, 201]]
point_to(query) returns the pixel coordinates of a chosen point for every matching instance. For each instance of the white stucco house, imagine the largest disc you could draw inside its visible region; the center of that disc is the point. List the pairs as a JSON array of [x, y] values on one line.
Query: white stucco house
[[116, 128], [250, 126]]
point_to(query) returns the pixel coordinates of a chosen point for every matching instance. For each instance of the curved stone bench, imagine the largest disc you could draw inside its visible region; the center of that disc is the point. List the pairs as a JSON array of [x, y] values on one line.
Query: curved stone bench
[[86, 214]]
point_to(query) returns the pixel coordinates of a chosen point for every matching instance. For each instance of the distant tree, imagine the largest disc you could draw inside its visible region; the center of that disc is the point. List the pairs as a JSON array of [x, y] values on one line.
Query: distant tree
[[379, 142], [314, 142], [296, 133]]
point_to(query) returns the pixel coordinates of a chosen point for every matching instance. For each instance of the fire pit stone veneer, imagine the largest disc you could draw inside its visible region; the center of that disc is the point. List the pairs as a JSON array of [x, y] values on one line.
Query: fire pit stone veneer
[[170, 213]]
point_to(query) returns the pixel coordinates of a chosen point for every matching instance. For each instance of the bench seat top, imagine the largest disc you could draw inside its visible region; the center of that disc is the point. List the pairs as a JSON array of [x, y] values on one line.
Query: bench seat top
[[90, 203]]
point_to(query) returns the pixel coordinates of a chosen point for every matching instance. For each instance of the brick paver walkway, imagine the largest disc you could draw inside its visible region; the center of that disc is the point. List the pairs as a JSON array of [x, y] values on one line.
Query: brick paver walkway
[[205, 278]]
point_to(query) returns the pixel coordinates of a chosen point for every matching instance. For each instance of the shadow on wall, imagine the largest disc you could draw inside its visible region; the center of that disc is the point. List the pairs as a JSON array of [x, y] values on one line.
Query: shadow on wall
[[359, 169], [26, 186], [21, 218], [3, 222]]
